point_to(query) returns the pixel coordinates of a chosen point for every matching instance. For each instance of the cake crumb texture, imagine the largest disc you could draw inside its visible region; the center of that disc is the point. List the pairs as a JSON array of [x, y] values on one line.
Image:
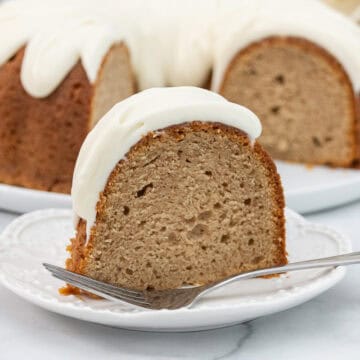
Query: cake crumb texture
[[303, 97], [191, 204]]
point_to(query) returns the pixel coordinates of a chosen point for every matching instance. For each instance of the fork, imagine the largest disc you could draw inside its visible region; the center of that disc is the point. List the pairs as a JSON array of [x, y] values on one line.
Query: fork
[[185, 296]]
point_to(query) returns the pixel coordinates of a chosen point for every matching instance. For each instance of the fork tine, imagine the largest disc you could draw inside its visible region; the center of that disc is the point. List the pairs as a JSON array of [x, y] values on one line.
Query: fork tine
[[117, 290], [97, 287], [107, 288], [103, 293], [126, 291]]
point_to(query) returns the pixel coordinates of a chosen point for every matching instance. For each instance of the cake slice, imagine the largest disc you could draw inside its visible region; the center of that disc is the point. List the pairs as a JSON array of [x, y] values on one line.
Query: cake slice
[[171, 188]]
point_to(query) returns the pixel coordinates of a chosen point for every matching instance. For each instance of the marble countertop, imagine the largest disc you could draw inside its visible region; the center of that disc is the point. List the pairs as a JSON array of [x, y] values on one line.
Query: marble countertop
[[325, 327]]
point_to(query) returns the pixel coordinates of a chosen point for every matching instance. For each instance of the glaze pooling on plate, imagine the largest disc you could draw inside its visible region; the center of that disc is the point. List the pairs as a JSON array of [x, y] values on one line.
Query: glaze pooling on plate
[[159, 35], [41, 237]]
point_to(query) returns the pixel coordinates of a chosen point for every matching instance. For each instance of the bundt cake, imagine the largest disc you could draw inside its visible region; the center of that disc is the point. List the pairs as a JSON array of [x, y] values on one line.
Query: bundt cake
[[171, 188], [63, 64]]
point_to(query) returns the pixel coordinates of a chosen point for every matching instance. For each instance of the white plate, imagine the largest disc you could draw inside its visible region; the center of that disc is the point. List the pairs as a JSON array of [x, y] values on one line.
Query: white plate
[[41, 236], [316, 188], [306, 189], [22, 200]]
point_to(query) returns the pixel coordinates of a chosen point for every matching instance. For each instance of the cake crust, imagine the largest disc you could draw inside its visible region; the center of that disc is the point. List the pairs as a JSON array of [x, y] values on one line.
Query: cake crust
[[82, 252], [40, 138]]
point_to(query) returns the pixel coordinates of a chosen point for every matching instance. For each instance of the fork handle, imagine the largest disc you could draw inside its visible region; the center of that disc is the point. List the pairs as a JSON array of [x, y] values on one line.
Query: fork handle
[[345, 259]]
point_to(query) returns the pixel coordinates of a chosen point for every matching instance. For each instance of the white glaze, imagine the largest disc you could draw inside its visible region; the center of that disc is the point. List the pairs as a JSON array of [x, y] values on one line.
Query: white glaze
[[170, 44], [128, 121], [58, 34]]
